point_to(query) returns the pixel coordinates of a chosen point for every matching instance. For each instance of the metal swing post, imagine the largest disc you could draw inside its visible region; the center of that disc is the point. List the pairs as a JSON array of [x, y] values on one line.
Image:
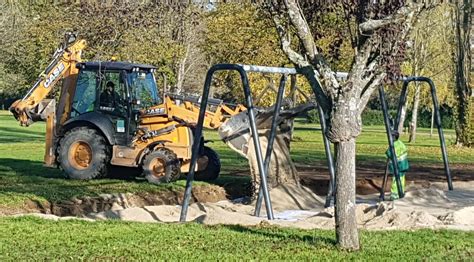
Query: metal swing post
[[388, 130], [434, 97], [329, 157], [327, 144], [196, 145], [253, 129], [271, 139]]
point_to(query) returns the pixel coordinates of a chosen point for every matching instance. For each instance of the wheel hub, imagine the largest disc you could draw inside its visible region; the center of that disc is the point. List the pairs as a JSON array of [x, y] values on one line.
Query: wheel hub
[[80, 155], [202, 162], [158, 167]]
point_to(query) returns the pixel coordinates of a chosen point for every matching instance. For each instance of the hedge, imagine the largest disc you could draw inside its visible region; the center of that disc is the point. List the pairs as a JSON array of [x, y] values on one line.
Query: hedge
[[371, 117]]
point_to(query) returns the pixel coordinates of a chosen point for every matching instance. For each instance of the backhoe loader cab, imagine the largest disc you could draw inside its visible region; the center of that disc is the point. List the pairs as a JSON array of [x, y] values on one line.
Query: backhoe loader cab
[[116, 92], [113, 86]]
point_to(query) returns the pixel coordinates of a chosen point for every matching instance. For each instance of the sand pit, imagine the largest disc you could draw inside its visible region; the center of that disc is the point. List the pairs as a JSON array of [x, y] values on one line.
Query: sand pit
[[431, 207]]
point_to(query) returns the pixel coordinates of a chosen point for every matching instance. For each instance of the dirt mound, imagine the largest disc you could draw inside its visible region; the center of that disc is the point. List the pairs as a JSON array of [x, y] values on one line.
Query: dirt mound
[[300, 207], [215, 214], [464, 216], [386, 216], [81, 206], [296, 207], [292, 197]]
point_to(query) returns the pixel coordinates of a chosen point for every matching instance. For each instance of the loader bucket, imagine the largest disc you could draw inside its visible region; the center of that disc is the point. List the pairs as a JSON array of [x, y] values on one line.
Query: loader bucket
[[235, 132]]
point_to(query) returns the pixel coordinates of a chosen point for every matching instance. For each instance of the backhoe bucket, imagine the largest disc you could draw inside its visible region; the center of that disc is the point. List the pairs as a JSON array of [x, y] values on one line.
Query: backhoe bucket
[[39, 113], [44, 109]]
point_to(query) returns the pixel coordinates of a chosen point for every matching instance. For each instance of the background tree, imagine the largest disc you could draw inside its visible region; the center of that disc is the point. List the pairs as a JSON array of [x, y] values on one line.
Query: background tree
[[429, 54], [462, 57], [146, 32], [242, 34], [379, 32]]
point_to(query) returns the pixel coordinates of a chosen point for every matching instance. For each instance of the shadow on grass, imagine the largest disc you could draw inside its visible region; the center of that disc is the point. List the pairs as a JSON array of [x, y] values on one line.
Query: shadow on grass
[[26, 168], [24, 131], [299, 128], [17, 135], [309, 239], [22, 139]]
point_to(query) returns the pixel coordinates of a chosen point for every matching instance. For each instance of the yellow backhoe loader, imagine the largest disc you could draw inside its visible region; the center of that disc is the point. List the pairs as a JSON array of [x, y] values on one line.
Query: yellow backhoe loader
[[111, 113]]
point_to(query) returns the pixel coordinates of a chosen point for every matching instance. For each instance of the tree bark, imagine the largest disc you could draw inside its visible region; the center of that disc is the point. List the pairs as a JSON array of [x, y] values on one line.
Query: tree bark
[[463, 68], [403, 115], [181, 71], [346, 229]]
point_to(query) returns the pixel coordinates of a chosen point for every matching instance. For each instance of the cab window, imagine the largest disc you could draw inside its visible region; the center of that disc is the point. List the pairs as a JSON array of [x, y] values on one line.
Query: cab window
[[85, 96], [113, 95], [143, 89]]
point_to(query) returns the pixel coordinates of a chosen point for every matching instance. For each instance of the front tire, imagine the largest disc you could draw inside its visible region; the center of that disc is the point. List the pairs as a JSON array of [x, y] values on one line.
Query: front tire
[[83, 154], [161, 166], [213, 168]]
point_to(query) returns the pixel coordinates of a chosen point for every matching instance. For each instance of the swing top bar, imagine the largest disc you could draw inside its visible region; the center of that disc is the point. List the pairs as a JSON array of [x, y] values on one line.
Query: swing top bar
[[269, 69], [281, 70], [293, 71]]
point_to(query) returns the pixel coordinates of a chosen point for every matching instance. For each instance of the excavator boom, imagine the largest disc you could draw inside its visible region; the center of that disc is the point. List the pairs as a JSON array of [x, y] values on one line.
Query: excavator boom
[[33, 106]]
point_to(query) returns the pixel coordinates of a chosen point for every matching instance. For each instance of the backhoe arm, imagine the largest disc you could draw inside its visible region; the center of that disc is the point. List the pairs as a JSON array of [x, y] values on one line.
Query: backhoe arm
[[29, 109], [189, 112]]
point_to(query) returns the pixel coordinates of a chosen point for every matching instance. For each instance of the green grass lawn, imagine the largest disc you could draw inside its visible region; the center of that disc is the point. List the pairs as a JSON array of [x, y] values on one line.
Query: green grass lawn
[[30, 238], [22, 176], [308, 147]]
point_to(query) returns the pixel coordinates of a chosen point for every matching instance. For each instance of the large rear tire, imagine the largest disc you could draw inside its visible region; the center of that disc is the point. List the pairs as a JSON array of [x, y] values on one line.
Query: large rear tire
[[161, 166], [213, 168], [83, 154]]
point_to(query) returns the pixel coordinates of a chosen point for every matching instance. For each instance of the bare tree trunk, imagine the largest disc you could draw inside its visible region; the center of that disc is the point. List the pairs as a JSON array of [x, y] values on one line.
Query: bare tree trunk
[[344, 126], [181, 71], [432, 122], [463, 68], [414, 116], [417, 71], [346, 229], [403, 115]]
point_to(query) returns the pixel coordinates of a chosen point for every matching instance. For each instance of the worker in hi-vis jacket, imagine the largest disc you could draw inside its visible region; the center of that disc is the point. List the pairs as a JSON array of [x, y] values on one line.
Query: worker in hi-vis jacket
[[402, 157]]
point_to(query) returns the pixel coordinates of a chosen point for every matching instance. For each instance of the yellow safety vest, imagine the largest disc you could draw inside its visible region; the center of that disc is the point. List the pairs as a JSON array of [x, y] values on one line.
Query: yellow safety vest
[[402, 156]]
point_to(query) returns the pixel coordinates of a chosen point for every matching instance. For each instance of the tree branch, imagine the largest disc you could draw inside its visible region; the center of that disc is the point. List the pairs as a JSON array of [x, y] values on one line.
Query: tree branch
[[368, 90], [410, 13], [285, 42], [372, 25], [301, 62], [302, 28], [324, 72]]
